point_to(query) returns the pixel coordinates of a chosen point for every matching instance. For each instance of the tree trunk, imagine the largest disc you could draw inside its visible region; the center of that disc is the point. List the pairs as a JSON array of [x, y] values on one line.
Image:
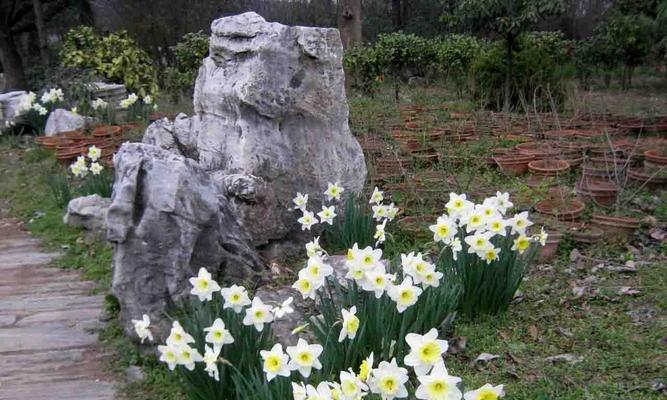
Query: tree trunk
[[41, 32], [396, 11], [11, 64], [508, 74], [349, 23]]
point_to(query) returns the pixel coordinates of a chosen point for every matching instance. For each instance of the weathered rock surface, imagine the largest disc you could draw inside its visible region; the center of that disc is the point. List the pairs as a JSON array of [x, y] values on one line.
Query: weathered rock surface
[[10, 106], [270, 104], [61, 120], [88, 212], [215, 189], [167, 220]]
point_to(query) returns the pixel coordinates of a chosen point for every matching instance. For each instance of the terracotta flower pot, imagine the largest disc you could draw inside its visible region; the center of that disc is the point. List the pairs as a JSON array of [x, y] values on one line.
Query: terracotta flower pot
[[68, 155], [648, 179], [548, 167], [620, 228], [48, 142], [563, 210], [655, 158], [513, 165], [599, 175], [583, 233], [392, 165], [550, 249], [107, 131], [603, 194], [538, 150]]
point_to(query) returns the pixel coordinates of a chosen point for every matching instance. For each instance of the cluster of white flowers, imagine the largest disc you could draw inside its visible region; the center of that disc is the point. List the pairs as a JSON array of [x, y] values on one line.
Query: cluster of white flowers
[[80, 167], [480, 223], [98, 104], [389, 380], [27, 102], [129, 101], [179, 350], [382, 213], [328, 213], [53, 96]]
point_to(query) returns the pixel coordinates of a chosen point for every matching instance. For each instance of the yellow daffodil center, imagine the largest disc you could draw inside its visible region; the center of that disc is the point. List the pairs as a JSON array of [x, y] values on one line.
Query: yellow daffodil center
[[491, 255], [272, 363], [304, 285], [186, 355], [475, 220], [236, 297], [458, 204], [170, 356], [420, 267], [178, 337], [352, 324], [350, 255], [522, 244], [218, 335], [519, 223], [443, 231], [259, 314], [314, 270], [358, 274], [429, 352], [437, 388], [480, 242], [496, 226], [364, 369], [368, 260], [487, 394], [379, 280], [349, 388], [388, 384], [305, 358], [406, 296]]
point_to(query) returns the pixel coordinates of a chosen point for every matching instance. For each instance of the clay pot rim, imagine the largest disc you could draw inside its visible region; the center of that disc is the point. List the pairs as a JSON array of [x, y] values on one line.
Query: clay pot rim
[[626, 222], [535, 166], [578, 209], [653, 155], [597, 187]]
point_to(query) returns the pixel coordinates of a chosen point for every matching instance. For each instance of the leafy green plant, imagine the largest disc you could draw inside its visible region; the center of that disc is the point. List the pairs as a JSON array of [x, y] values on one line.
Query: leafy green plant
[[101, 184], [455, 56], [116, 56], [59, 189], [188, 55], [357, 226]]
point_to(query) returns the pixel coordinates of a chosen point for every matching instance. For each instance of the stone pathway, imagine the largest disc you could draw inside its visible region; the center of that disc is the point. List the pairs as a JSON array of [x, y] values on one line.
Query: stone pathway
[[47, 347]]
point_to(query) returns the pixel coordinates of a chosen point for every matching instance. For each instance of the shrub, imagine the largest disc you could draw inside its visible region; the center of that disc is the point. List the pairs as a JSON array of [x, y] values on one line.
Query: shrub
[[455, 56], [536, 74], [188, 55], [115, 56]]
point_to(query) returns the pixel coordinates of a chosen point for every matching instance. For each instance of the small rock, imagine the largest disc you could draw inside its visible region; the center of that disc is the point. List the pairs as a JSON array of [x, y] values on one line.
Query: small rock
[[485, 357], [628, 291], [61, 120], [134, 374], [574, 255], [567, 357]]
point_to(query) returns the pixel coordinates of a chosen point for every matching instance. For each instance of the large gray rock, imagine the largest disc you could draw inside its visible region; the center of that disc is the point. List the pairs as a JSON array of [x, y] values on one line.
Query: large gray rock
[[10, 106], [61, 120], [270, 104], [167, 220], [88, 212], [214, 190]]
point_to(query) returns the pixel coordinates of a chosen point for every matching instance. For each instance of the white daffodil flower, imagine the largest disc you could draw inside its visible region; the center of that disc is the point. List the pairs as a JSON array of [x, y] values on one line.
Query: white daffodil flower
[[425, 351], [404, 295], [141, 328], [300, 201], [217, 334], [388, 380], [307, 220], [377, 281], [380, 235], [258, 314], [444, 229], [333, 191], [236, 298], [521, 244], [284, 308], [350, 324], [380, 212], [96, 168], [203, 285], [304, 357], [94, 153], [327, 214], [486, 392], [306, 286], [439, 385], [316, 269], [351, 386], [275, 362], [479, 243], [313, 247], [188, 356], [520, 223], [169, 355], [376, 197], [210, 360], [392, 211], [458, 205], [491, 254], [178, 337]]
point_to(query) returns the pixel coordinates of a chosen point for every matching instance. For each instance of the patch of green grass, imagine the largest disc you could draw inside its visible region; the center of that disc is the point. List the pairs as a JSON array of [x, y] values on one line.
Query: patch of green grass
[[24, 187]]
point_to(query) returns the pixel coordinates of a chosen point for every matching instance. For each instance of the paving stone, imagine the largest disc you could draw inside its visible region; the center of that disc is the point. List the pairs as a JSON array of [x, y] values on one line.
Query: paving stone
[[48, 324]]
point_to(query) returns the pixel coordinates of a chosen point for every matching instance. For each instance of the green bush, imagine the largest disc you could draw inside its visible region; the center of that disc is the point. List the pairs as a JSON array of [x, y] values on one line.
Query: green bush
[[536, 75], [188, 54], [115, 56], [455, 55]]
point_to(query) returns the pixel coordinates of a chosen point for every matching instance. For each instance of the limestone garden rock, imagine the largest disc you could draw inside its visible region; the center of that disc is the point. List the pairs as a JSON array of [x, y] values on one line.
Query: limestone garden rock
[[88, 212], [61, 120], [270, 104], [10, 106], [214, 190], [167, 220]]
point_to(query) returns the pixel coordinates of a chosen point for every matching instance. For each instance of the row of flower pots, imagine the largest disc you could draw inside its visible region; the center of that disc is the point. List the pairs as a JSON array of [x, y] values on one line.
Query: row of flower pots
[[69, 145]]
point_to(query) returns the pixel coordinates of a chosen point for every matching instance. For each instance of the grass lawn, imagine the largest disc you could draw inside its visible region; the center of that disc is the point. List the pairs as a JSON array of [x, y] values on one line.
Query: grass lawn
[[601, 308]]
